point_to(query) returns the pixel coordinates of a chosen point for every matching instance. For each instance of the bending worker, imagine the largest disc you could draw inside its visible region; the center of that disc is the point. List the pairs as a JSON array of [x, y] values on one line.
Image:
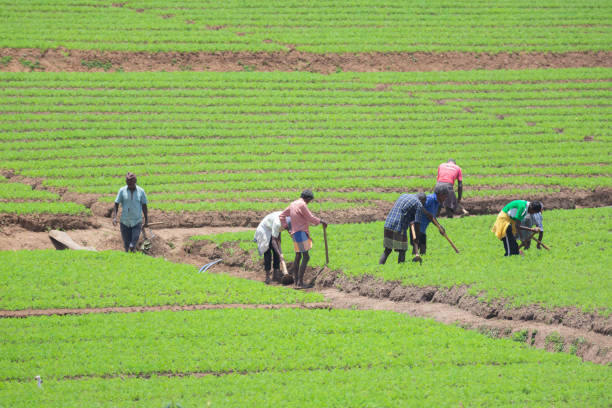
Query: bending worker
[[301, 219], [133, 202], [268, 238], [530, 221], [447, 174], [432, 205], [509, 220], [407, 210]]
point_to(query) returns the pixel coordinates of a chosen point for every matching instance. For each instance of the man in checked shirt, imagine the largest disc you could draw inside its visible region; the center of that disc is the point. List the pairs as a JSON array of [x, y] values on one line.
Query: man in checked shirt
[[407, 210]]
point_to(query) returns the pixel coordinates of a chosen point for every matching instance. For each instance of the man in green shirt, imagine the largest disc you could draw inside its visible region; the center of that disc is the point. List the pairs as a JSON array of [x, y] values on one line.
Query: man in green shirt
[[508, 223]]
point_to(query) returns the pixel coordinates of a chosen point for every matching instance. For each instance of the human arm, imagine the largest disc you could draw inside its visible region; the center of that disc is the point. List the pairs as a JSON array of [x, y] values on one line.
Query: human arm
[[283, 218], [145, 212], [459, 190], [309, 216], [275, 242], [114, 215], [539, 246]]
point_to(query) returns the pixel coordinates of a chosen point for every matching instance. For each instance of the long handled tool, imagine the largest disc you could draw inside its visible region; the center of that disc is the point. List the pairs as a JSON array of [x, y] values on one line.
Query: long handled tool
[[417, 257], [527, 240], [533, 230], [325, 241], [287, 278], [146, 243], [437, 224], [541, 243]]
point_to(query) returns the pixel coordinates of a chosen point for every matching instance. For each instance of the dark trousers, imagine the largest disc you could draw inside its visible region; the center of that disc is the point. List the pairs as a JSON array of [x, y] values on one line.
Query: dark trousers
[[268, 256], [510, 245], [130, 236], [422, 243]]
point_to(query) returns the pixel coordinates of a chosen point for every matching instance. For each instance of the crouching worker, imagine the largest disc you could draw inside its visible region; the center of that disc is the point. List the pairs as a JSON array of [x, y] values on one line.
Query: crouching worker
[[406, 211], [301, 219], [433, 204], [268, 238], [509, 220], [133, 202]]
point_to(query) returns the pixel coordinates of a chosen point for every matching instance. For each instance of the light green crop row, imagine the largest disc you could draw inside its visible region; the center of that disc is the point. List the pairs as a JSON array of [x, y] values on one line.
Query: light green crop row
[[43, 207], [80, 279], [320, 26], [24, 192], [574, 273], [508, 385], [185, 134], [237, 340]]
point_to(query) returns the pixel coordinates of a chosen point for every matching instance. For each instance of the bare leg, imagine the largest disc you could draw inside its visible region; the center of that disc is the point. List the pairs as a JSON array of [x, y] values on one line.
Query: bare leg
[[296, 267], [384, 256], [306, 258]]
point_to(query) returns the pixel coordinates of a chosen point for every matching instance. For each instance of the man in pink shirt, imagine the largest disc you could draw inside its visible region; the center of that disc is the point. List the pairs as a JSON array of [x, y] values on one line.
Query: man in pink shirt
[[301, 219], [447, 174]]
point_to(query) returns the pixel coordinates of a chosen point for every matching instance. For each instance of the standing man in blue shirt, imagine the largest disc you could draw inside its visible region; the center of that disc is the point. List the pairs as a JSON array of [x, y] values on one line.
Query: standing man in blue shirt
[[432, 205], [133, 202]]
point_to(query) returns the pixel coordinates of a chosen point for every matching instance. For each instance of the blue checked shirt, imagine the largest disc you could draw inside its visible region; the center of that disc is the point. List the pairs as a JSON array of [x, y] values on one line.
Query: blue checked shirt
[[406, 209]]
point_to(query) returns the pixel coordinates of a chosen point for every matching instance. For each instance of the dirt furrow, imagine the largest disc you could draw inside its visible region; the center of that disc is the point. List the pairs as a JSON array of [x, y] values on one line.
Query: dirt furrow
[[65, 60], [140, 309]]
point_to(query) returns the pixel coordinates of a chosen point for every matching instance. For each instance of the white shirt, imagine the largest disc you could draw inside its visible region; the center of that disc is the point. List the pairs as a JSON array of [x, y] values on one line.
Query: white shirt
[[269, 227]]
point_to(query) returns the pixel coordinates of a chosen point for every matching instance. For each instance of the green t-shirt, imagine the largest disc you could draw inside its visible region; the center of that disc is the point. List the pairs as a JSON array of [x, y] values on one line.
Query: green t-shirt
[[517, 209]]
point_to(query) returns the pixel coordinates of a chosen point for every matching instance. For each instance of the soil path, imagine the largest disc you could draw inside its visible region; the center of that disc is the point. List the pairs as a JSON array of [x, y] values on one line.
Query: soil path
[[64, 60], [106, 237]]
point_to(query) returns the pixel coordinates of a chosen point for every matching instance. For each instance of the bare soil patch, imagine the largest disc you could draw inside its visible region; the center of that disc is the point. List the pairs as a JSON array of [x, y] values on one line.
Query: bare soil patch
[[65, 60]]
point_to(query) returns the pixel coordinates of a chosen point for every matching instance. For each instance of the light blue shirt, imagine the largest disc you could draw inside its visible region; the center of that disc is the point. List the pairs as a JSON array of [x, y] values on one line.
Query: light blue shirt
[[131, 205]]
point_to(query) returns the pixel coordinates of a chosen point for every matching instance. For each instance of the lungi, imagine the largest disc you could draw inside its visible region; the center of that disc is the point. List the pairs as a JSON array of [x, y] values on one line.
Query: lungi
[[301, 241], [395, 240]]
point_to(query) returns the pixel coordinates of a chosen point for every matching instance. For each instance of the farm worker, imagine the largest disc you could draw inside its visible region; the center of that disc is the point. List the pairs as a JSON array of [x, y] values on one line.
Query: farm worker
[[509, 220], [301, 219], [406, 211], [447, 174], [530, 221], [268, 238], [133, 202], [432, 205]]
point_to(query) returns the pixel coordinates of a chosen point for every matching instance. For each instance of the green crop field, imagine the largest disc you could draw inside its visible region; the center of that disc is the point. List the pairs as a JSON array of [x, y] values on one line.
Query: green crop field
[[319, 26], [19, 198], [82, 279], [282, 357], [249, 141], [574, 273], [109, 329]]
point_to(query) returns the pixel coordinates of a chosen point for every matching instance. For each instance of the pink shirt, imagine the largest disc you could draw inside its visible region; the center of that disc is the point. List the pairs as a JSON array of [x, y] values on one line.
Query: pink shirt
[[449, 172], [301, 217]]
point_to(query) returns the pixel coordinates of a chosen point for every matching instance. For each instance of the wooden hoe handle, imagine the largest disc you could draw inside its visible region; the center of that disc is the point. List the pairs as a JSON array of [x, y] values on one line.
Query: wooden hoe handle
[[437, 224], [326, 248]]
